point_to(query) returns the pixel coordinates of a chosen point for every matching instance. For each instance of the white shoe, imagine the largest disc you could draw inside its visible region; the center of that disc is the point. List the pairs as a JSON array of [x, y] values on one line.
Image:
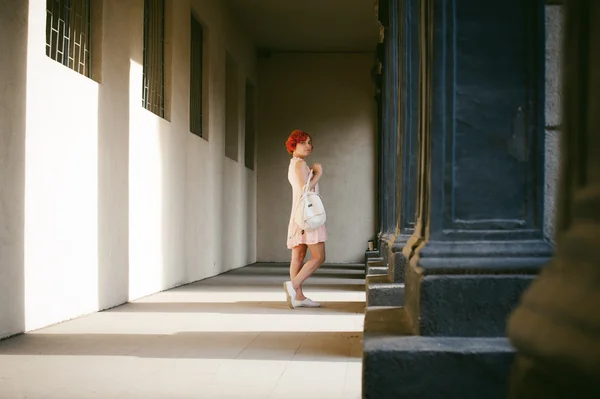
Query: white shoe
[[309, 303], [290, 294]]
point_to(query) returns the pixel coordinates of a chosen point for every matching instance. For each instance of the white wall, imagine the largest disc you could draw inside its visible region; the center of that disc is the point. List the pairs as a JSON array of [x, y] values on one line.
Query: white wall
[[61, 185], [120, 203], [217, 185], [331, 97]]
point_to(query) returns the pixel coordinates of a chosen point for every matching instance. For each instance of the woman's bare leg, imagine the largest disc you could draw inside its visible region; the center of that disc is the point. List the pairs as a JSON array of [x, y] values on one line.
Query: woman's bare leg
[[317, 252], [298, 255]]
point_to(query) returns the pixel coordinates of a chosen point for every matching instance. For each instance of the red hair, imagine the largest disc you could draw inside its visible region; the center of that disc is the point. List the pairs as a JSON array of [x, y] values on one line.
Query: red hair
[[297, 136]]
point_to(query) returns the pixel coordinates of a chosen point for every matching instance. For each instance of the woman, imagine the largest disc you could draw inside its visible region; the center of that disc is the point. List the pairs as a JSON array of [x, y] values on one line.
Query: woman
[[299, 144]]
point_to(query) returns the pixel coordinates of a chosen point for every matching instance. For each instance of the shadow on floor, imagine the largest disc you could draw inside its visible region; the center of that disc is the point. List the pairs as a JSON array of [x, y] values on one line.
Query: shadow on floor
[[326, 266], [241, 307], [296, 346], [278, 269], [239, 315], [284, 273], [229, 285], [270, 277]]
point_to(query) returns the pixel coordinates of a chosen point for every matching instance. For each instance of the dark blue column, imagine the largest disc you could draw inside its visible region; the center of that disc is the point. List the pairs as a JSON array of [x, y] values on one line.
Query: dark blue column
[[375, 254], [391, 105], [478, 239], [408, 150], [555, 328], [376, 72], [379, 102], [385, 276], [381, 56], [388, 16], [407, 136], [398, 146]]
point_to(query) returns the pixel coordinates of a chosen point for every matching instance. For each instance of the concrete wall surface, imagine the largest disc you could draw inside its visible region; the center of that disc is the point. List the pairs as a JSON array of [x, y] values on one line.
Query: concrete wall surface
[[102, 200], [329, 96]]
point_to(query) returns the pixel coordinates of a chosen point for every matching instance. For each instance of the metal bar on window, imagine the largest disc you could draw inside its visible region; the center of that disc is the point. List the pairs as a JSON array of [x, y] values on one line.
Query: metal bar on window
[[196, 77], [153, 69], [68, 33]]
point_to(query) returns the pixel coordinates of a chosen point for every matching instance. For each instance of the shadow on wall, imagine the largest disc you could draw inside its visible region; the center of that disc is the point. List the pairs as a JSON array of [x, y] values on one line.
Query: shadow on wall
[[173, 132], [157, 171], [113, 158], [13, 105], [146, 195], [172, 174], [137, 182], [61, 196], [104, 185]]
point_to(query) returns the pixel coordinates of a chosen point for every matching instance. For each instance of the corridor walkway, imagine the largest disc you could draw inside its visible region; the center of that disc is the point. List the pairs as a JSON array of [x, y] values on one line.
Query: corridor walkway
[[230, 336]]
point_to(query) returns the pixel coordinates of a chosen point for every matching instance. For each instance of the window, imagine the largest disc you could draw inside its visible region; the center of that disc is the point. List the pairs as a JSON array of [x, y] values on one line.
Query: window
[[250, 125], [68, 34], [196, 77], [153, 96], [231, 109]]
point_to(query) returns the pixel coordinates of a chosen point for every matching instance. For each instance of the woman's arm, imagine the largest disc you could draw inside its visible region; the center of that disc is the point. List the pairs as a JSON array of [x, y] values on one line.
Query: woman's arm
[[317, 173]]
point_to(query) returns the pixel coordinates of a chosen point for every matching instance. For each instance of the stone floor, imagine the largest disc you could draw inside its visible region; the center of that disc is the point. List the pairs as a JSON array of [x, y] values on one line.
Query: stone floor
[[230, 336]]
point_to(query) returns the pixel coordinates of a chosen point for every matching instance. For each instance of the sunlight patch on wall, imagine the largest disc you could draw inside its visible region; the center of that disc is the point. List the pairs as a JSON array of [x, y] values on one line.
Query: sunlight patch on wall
[[146, 256], [61, 193]]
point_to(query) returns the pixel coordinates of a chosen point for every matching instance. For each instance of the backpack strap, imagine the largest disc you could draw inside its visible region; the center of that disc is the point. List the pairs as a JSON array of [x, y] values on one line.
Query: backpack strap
[[306, 187]]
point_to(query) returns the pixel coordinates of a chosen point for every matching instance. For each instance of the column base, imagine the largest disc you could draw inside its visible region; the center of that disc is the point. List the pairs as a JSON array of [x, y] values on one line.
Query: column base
[[373, 258], [468, 289], [435, 367], [375, 266], [385, 282], [384, 246], [376, 269], [380, 292], [397, 261], [397, 364]]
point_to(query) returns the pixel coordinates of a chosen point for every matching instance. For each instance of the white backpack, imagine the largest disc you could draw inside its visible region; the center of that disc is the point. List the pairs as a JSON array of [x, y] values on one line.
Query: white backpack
[[310, 212]]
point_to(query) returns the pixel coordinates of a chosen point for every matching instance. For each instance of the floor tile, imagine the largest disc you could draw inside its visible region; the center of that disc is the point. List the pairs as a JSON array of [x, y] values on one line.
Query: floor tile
[[230, 336]]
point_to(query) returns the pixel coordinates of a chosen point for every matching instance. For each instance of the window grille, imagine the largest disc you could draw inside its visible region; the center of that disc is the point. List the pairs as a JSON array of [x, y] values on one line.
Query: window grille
[[196, 77], [153, 96], [68, 34], [232, 128], [250, 125]]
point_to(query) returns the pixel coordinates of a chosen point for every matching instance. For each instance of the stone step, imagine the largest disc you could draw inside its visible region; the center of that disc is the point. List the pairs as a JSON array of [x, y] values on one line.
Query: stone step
[[435, 367], [382, 293]]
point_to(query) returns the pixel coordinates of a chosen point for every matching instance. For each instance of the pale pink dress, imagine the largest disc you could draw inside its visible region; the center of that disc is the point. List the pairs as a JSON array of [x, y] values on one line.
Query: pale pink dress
[[295, 234]]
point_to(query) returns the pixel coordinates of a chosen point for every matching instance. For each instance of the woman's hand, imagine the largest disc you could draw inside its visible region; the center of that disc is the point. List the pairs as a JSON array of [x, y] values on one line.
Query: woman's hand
[[318, 169]]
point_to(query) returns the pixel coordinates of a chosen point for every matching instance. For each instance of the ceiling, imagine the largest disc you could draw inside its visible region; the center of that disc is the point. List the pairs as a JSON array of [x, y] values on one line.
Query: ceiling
[[309, 25]]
